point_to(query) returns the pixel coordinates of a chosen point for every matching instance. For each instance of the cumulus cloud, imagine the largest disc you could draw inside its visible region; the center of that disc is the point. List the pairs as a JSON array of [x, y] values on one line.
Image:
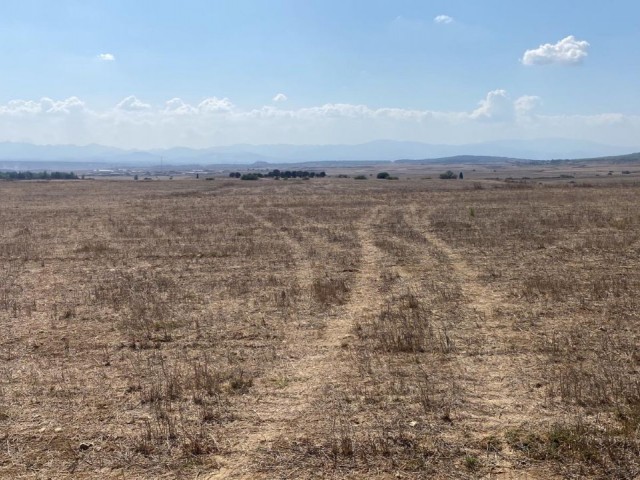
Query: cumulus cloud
[[212, 105], [176, 106], [281, 97], [69, 106], [22, 107], [215, 105], [444, 19], [526, 104], [106, 57], [43, 106], [132, 104], [497, 106], [568, 51], [133, 123]]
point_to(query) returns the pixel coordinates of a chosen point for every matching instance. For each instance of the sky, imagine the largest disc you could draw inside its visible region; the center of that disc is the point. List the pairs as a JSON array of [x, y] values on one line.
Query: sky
[[198, 73]]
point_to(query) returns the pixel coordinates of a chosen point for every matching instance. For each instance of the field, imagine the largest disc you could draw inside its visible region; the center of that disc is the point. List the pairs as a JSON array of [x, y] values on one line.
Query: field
[[330, 328]]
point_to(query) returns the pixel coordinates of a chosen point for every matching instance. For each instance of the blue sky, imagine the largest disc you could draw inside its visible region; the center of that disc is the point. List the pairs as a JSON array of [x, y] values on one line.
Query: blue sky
[[345, 71]]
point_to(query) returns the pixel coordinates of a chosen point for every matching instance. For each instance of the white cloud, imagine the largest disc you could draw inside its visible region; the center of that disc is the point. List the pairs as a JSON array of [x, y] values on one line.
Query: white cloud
[[21, 107], [106, 57], [217, 121], [132, 104], [212, 105], [215, 105], [281, 97], [69, 106], [176, 106], [568, 51], [497, 106], [526, 104], [444, 19], [44, 106]]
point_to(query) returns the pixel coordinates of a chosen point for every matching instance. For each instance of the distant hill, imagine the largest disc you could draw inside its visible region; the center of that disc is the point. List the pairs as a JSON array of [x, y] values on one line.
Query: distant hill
[[469, 159], [13, 155], [629, 158]]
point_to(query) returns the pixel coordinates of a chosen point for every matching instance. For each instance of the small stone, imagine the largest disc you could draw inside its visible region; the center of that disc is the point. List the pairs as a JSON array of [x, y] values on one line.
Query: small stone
[[85, 446], [57, 429], [413, 423]]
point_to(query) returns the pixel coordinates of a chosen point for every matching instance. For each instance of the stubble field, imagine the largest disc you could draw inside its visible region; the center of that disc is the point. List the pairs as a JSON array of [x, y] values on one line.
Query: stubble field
[[328, 328]]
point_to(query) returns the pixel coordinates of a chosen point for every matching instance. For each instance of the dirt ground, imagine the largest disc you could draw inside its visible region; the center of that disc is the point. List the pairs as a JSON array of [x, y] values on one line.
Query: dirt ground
[[329, 328]]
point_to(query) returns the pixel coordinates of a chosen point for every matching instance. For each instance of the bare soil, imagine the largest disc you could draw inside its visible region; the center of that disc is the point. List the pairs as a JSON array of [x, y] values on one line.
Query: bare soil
[[329, 328]]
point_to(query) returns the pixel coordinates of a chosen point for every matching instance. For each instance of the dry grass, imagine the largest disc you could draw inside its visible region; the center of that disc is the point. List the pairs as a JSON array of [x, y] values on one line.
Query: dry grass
[[328, 328]]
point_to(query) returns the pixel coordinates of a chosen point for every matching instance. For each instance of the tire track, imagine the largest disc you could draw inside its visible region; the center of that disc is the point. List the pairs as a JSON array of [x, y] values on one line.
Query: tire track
[[316, 362], [497, 399]]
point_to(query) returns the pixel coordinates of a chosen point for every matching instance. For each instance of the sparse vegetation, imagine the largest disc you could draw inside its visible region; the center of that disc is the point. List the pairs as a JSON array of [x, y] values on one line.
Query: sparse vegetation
[[448, 175], [320, 329]]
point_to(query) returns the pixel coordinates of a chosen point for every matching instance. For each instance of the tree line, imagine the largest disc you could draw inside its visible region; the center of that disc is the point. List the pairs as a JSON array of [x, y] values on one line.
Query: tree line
[[38, 176], [276, 173]]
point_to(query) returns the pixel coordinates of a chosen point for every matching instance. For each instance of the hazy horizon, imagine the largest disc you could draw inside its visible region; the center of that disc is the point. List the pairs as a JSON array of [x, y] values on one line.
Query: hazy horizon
[[246, 154]]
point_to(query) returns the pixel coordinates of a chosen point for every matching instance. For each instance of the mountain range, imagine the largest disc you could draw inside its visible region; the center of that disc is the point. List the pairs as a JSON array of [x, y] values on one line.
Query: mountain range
[[12, 154]]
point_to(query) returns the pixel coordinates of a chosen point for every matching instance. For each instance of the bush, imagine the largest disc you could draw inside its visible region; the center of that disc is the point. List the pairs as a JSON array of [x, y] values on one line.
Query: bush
[[448, 175], [383, 175], [360, 177], [250, 176]]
